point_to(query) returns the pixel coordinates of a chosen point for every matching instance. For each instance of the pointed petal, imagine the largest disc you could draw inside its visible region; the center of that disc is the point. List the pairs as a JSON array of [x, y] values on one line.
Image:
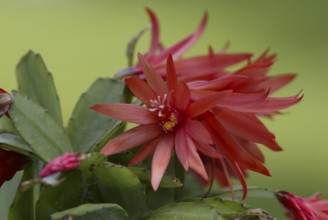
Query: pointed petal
[[235, 100], [216, 84], [241, 178], [145, 151], [277, 82], [204, 65], [160, 59], [198, 131], [248, 127], [132, 138], [182, 46], [211, 52], [204, 104], [126, 112], [194, 37], [181, 97], [208, 150], [154, 45], [154, 81], [195, 163], [258, 68], [272, 104], [320, 205], [161, 159], [172, 81], [181, 149], [228, 178], [231, 147], [140, 89], [323, 214], [251, 148]]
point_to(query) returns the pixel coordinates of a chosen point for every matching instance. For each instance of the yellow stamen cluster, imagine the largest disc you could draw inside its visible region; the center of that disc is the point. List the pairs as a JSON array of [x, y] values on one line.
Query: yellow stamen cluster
[[169, 125]]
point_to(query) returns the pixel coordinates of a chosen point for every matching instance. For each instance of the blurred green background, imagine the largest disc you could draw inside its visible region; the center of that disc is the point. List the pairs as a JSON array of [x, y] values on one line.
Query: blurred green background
[[81, 40]]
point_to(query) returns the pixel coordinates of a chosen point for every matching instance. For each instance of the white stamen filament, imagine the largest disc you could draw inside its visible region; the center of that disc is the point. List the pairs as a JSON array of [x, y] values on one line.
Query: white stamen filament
[[158, 105]]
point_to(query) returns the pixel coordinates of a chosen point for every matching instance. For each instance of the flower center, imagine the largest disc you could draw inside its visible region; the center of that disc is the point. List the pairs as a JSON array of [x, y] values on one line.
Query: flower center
[[167, 116], [170, 122]]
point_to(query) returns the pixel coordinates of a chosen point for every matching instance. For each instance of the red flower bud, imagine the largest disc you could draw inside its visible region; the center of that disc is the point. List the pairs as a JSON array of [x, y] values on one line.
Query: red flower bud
[[298, 208], [66, 162]]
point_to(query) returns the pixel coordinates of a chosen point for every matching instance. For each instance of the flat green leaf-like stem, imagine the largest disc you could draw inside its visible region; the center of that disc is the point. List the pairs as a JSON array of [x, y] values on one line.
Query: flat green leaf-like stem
[[23, 204], [36, 82], [144, 175], [86, 127], [253, 191], [66, 195], [225, 207], [15, 143], [117, 184], [43, 134], [185, 211], [92, 212]]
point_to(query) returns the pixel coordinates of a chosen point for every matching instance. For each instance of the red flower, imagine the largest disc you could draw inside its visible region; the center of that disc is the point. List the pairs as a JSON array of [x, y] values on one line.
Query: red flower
[[66, 162], [257, 76], [10, 163], [199, 67], [298, 208], [168, 123], [233, 122], [5, 102]]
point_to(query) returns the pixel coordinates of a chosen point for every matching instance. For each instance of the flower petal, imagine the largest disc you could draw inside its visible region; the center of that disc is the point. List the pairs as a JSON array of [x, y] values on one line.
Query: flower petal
[[277, 82], [172, 80], [161, 159], [215, 84], [204, 104], [208, 150], [144, 151], [126, 112], [231, 147], [241, 178], [154, 80], [272, 104], [194, 160], [227, 178], [236, 100], [251, 148], [140, 89], [182, 46], [197, 131], [248, 127], [154, 33], [210, 66], [181, 97], [181, 149], [132, 138]]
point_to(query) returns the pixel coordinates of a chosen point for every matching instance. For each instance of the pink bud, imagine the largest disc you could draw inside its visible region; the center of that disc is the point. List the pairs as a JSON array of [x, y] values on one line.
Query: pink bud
[[66, 162], [298, 208]]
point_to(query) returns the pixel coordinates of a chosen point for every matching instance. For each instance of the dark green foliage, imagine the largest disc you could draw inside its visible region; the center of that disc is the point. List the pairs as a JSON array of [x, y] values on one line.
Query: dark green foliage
[[92, 212], [36, 82], [86, 128], [43, 134], [118, 184]]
